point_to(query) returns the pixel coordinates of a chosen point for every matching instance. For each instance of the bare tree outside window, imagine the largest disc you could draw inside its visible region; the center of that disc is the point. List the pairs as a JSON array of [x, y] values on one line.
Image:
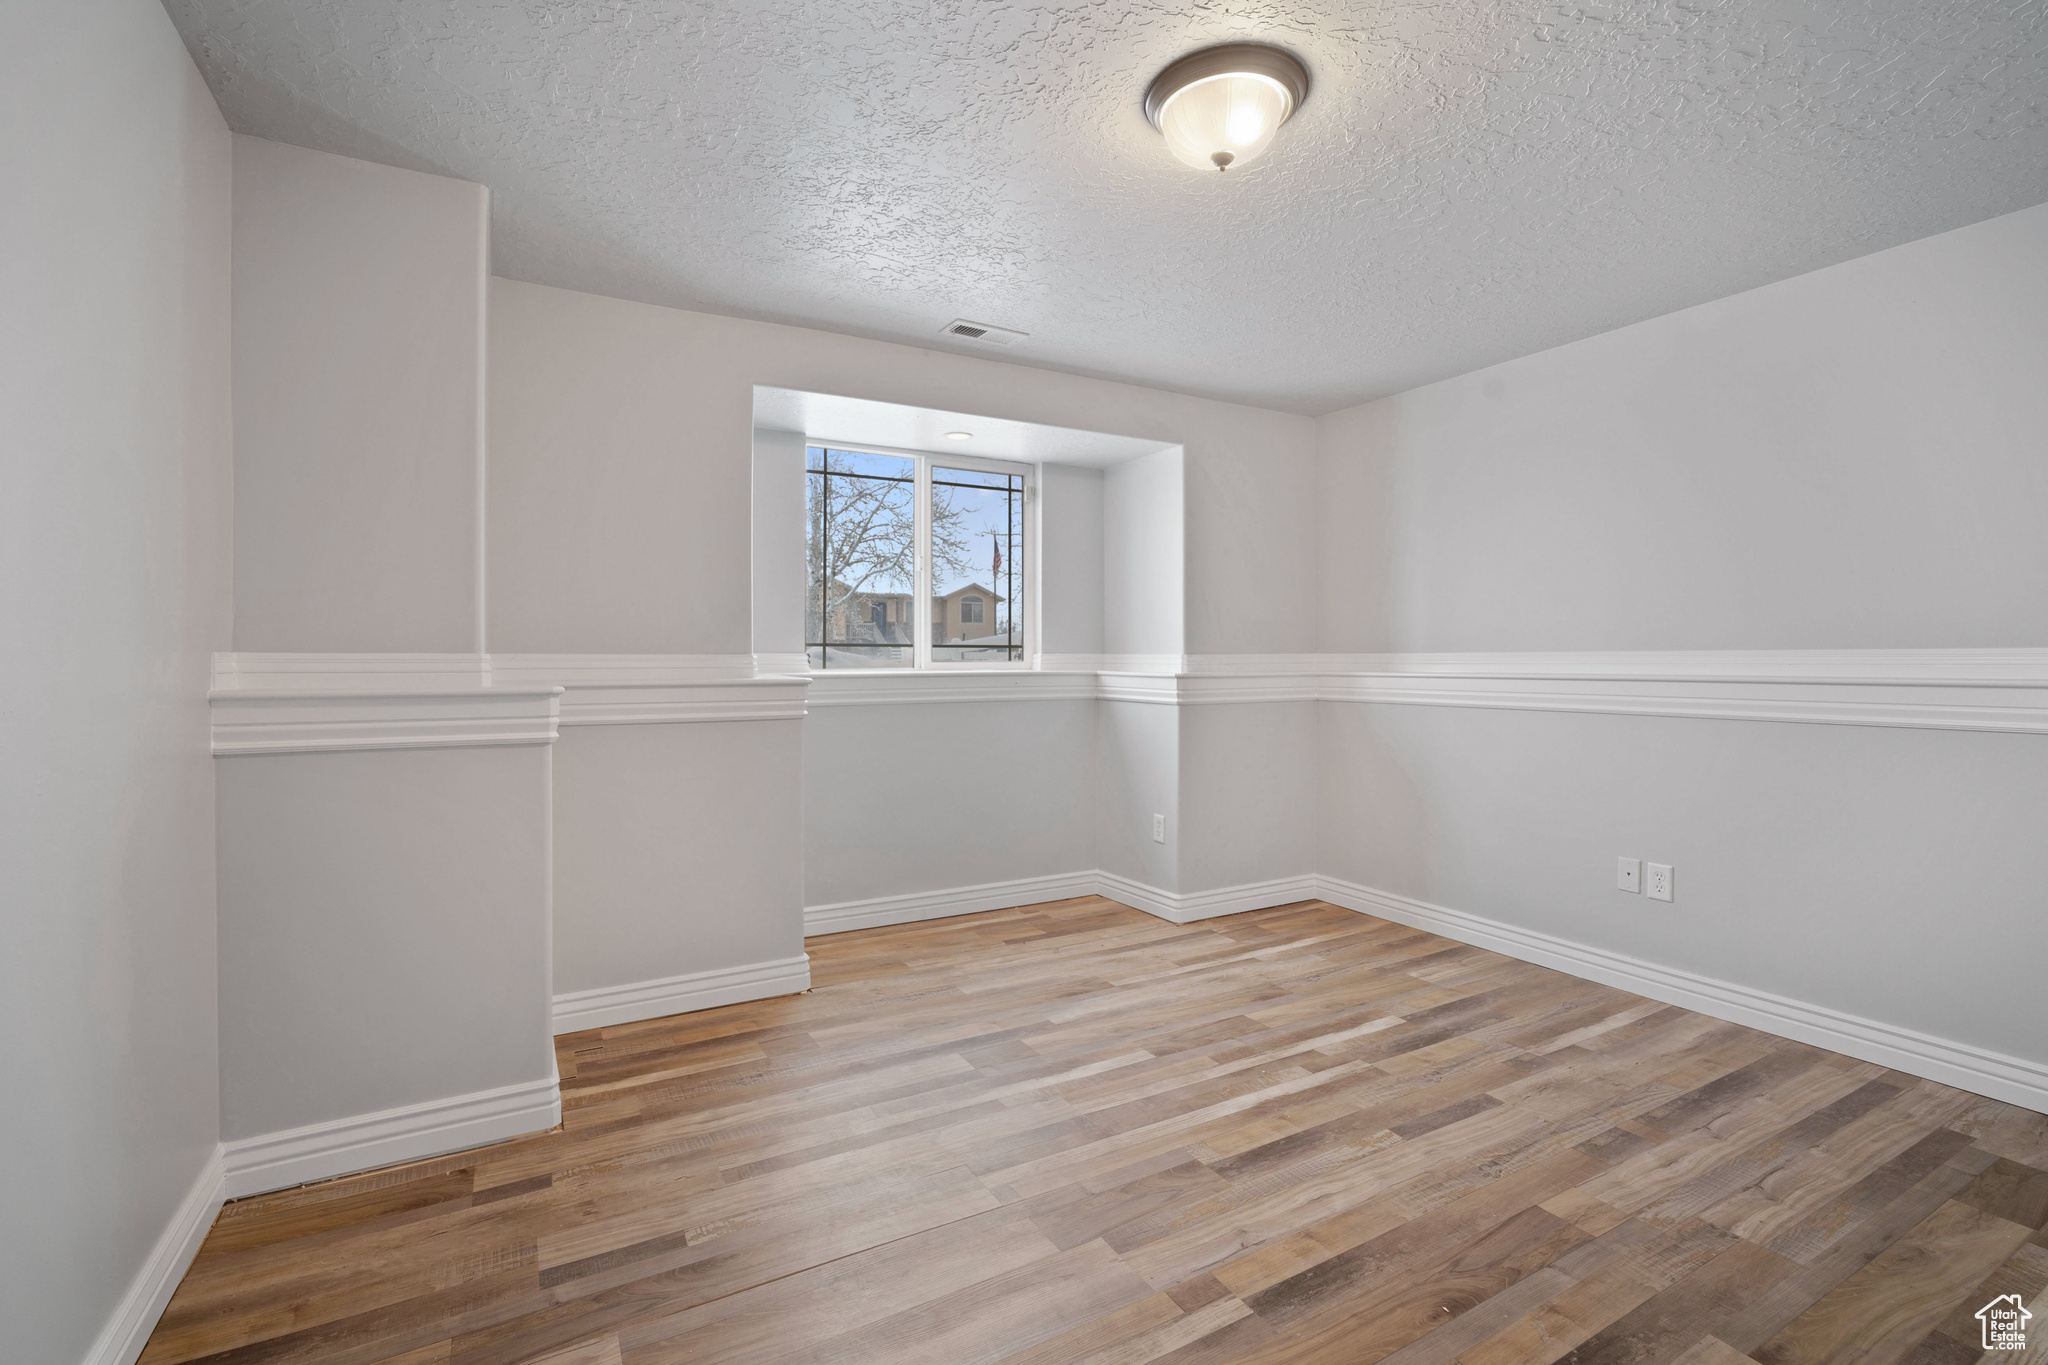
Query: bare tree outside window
[[861, 556]]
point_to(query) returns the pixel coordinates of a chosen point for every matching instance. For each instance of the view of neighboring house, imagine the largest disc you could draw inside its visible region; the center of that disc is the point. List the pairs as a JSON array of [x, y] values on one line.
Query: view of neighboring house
[[967, 615], [881, 618]]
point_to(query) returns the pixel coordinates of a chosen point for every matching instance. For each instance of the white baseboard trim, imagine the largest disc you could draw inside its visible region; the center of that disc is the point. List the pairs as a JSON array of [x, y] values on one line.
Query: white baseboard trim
[[2013, 1079], [1200, 905], [968, 900], [127, 1331], [1979, 1070], [608, 1005], [841, 916], [413, 1132]]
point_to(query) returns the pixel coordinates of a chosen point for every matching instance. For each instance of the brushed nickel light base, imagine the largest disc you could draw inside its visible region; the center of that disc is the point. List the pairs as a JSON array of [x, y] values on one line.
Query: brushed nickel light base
[[1229, 59]]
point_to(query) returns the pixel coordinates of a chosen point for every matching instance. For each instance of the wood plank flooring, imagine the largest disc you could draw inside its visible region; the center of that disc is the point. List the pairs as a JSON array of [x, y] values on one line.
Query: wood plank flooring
[[1072, 1133]]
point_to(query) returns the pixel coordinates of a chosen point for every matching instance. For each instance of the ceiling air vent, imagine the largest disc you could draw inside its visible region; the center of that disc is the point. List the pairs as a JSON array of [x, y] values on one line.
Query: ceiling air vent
[[985, 333]]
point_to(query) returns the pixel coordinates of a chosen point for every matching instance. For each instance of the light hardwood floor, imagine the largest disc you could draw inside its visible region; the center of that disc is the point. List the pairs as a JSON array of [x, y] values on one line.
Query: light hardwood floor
[[1074, 1133]]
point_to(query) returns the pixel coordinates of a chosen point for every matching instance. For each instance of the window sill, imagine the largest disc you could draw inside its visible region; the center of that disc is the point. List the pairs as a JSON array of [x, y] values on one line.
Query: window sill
[[896, 686]]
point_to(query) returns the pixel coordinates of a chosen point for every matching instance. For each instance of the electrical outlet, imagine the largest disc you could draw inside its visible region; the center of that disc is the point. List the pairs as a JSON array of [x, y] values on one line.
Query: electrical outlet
[[1628, 874], [1158, 829], [1660, 881]]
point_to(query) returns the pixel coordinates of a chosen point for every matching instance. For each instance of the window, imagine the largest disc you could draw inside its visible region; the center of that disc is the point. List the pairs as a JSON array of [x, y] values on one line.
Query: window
[[887, 528]]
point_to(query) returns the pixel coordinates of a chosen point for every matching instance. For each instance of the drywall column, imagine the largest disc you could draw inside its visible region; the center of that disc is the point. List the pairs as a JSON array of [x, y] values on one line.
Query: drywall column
[[678, 798], [384, 954], [359, 368], [384, 822], [1138, 719]]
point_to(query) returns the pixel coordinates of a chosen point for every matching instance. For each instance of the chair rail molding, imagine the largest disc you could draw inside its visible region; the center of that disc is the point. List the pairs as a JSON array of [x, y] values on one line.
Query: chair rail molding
[[656, 689], [1895, 667], [575, 670], [271, 721], [348, 672], [2000, 690], [905, 686], [1113, 663], [674, 703], [305, 703]]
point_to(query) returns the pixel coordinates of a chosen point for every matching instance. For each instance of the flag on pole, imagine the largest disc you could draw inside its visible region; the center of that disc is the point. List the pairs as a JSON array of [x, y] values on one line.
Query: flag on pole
[[996, 569]]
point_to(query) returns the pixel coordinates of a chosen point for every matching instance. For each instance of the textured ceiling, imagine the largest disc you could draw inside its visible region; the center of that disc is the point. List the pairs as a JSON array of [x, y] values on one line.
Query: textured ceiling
[[1467, 182]]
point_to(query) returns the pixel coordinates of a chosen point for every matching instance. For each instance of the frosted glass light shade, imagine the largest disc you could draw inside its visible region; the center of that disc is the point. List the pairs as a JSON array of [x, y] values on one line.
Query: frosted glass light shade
[[1219, 108], [1224, 121]]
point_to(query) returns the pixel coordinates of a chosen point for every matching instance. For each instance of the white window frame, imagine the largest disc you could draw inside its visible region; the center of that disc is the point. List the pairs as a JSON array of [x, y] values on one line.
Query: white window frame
[[923, 462]]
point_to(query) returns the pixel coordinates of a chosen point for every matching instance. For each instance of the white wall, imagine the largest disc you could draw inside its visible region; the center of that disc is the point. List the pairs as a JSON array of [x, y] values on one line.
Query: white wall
[[1070, 500], [1137, 776], [778, 556], [383, 931], [620, 471], [358, 338], [1873, 872], [1247, 793], [114, 390], [1844, 460], [1144, 556], [631, 500], [902, 798], [1849, 459], [677, 849]]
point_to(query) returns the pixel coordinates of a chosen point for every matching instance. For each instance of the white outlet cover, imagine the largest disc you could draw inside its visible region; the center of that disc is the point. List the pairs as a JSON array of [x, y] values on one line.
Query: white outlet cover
[[1158, 829], [1628, 874], [1660, 882]]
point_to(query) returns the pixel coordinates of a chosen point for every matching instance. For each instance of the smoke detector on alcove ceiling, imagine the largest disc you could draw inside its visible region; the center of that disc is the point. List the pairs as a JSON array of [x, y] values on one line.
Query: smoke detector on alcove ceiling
[[987, 333]]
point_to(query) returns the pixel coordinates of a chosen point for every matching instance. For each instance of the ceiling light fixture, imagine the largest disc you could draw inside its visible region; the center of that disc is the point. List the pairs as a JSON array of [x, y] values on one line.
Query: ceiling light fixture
[[959, 435], [1221, 106]]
